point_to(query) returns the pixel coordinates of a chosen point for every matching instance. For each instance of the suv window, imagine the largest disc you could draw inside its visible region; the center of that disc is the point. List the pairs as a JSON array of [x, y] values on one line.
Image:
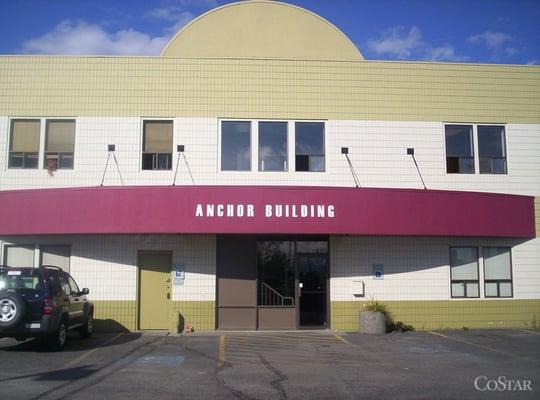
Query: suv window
[[65, 285], [73, 285], [54, 284], [19, 279]]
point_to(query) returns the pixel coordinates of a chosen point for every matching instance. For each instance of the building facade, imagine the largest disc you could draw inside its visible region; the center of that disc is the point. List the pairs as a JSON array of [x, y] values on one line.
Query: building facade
[[261, 174]]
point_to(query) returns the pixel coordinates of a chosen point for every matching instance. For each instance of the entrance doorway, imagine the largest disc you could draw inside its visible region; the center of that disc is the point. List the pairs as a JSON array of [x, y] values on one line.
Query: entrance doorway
[[154, 289], [272, 283], [312, 299], [292, 284]]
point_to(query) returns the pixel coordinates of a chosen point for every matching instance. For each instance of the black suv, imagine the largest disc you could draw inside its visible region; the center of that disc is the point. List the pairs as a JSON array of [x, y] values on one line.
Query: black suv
[[42, 302]]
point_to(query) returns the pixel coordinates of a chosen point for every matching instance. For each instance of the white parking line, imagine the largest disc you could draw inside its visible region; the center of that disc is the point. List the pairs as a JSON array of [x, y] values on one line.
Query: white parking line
[[526, 330]]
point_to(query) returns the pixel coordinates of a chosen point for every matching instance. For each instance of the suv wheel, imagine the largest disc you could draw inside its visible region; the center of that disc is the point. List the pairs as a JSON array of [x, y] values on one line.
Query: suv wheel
[[87, 328], [12, 309], [58, 340]]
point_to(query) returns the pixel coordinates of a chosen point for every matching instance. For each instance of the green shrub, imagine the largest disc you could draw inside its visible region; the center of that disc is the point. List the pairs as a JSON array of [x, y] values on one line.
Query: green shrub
[[374, 305]]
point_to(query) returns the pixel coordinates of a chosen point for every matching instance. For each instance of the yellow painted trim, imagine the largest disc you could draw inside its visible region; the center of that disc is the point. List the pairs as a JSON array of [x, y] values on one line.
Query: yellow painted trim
[[222, 353], [433, 315]]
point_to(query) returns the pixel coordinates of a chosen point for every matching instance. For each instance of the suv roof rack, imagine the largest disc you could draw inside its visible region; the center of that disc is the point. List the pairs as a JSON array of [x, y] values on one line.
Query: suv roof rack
[[51, 267]]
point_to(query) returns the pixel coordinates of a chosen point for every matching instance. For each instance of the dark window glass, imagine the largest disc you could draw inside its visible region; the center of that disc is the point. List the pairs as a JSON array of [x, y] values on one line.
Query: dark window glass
[[309, 143], [316, 247], [272, 146], [464, 272], [148, 161], [235, 146], [65, 285], [54, 284], [276, 273], [492, 149], [459, 149]]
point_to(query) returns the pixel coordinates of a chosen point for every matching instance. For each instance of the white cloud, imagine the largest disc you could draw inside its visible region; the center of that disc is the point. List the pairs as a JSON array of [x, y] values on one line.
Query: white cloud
[[81, 37], [397, 42], [493, 40]]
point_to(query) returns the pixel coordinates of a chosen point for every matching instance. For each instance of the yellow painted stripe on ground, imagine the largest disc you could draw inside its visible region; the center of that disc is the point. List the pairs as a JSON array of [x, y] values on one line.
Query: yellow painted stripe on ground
[[88, 353], [221, 350], [481, 346], [342, 339]]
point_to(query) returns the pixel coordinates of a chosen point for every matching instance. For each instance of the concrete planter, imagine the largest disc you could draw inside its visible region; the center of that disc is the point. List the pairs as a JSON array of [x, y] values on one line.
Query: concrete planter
[[372, 322]]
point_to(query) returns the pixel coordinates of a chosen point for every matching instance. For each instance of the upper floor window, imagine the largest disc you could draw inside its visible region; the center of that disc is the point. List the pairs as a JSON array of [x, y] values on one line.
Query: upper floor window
[[309, 139], [459, 149], [464, 272], [157, 145], [24, 143], [59, 144], [236, 146], [492, 149], [497, 272], [272, 146]]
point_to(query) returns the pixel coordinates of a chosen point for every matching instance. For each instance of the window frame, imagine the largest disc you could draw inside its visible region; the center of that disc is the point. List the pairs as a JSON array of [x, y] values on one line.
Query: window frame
[[464, 281], [287, 143], [473, 149], [499, 281], [476, 147], [253, 144], [45, 137], [310, 155], [155, 156], [505, 150], [11, 124]]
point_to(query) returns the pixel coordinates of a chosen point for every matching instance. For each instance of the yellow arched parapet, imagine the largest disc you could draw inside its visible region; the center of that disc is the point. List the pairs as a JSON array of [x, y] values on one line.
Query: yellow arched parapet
[[262, 29]]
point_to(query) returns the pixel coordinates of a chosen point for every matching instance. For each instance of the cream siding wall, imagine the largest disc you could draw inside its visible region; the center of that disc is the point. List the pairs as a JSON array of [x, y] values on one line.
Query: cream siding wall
[[418, 268], [108, 264], [265, 88], [377, 150], [414, 268]]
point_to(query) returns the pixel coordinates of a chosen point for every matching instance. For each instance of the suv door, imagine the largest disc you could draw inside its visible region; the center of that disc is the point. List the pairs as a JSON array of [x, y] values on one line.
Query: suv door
[[72, 301], [77, 299]]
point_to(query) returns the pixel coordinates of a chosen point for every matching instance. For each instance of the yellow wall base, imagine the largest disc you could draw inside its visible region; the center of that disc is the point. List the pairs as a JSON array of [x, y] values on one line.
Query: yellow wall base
[[424, 315], [122, 315]]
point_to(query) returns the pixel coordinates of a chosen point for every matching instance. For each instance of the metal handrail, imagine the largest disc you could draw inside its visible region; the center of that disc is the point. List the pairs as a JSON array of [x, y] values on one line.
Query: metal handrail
[[271, 297]]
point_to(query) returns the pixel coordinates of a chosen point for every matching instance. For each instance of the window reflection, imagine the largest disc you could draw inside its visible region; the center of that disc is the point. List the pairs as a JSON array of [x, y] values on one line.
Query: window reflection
[[309, 137], [276, 273], [459, 149], [236, 146], [492, 149], [272, 146]]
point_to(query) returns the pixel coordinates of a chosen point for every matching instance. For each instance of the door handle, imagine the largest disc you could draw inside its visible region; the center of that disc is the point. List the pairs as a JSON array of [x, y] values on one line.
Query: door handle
[[168, 280], [168, 296]]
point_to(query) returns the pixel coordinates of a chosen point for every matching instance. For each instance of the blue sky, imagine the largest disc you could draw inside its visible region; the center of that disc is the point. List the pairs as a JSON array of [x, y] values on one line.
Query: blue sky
[[485, 31]]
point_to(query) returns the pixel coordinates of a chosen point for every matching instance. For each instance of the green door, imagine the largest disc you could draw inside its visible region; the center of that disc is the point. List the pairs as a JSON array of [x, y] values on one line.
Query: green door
[[154, 289]]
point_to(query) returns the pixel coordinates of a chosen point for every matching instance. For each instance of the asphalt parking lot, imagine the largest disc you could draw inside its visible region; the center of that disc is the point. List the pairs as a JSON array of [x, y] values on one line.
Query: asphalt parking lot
[[287, 365]]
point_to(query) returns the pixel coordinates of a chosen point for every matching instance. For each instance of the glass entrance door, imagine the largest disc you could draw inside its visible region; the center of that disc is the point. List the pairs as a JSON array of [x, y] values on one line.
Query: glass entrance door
[[292, 284], [312, 272]]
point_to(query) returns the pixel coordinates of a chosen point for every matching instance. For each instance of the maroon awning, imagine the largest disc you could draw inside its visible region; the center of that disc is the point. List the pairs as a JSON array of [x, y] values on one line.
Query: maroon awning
[[265, 209]]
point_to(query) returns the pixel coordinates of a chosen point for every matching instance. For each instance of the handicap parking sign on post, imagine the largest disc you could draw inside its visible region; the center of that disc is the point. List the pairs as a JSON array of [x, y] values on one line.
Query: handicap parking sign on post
[[378, 271], [178, 274]]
